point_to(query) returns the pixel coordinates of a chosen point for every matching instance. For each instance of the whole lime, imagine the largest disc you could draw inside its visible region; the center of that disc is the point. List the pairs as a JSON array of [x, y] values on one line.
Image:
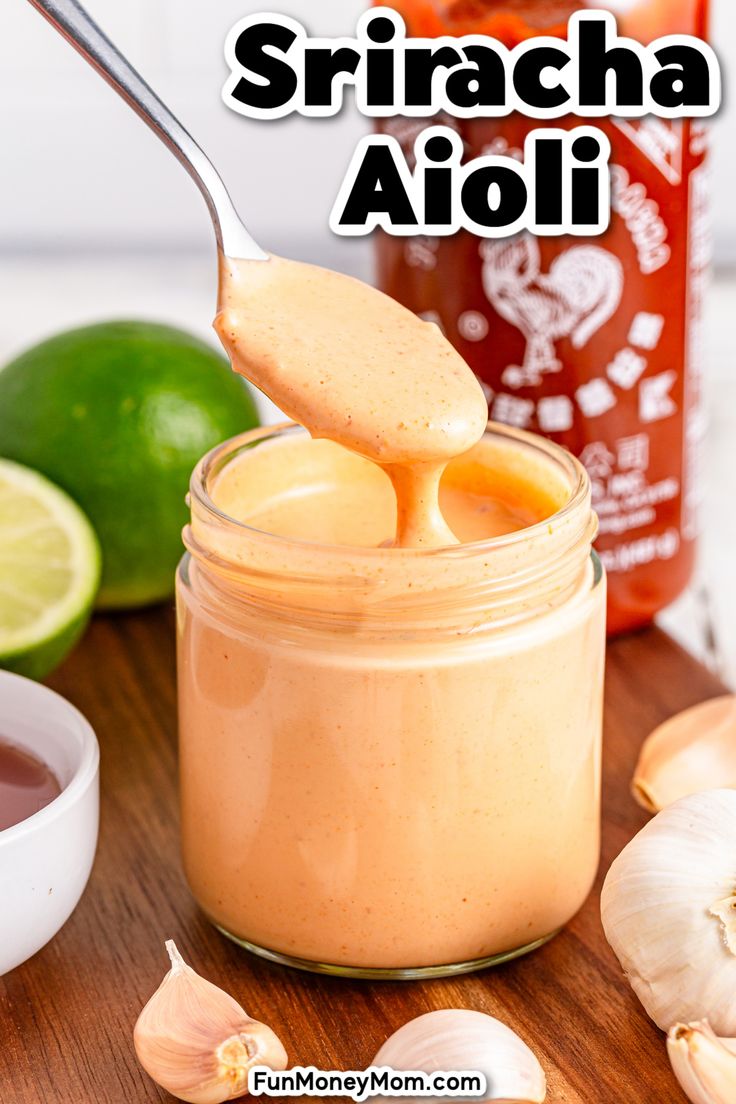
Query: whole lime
[[118, 414]]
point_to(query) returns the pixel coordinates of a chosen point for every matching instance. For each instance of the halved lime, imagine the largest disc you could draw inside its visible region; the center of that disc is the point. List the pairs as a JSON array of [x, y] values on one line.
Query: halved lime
[[117, 415], [49, 571]]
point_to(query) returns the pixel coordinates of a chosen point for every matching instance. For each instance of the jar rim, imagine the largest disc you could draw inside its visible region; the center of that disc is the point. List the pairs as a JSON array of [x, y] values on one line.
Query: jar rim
[[215, 460]]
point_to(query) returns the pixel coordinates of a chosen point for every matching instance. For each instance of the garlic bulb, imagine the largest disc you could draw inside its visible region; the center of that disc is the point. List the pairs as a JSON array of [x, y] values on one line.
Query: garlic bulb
[[694, 751], [196, 1042], [459, 1039], [669, 912], [704, 1065]]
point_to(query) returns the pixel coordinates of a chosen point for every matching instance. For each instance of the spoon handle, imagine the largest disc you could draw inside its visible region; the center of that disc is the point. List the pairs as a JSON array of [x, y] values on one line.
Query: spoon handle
[[76, 26]]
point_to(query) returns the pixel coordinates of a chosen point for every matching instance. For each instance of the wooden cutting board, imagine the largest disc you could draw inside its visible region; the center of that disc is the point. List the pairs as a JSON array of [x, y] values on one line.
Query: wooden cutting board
[[66, 1017]]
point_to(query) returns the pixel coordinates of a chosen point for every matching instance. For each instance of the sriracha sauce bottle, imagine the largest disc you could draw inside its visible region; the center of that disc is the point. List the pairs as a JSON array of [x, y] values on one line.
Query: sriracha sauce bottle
[[595, 342]]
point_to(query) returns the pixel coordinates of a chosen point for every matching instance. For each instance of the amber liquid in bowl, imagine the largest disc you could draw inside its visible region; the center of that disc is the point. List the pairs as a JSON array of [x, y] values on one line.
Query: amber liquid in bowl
[[27, 785]]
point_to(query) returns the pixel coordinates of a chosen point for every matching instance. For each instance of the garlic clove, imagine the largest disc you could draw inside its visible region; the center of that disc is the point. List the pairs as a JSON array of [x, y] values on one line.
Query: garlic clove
[[197, 1042], [664, 909], [704, 1065], [455, 1040], [689, 753]]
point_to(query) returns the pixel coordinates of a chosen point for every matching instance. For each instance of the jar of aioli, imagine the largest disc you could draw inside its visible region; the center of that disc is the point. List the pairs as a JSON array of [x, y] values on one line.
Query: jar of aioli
[[390, 758], [597, 343]]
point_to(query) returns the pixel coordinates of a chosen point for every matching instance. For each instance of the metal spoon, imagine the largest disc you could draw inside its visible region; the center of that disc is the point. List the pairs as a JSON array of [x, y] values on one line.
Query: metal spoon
[[76, 26]]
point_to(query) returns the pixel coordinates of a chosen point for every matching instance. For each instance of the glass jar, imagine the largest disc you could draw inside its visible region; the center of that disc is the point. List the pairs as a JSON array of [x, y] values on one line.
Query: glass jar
[[390, 759], [614, 374]]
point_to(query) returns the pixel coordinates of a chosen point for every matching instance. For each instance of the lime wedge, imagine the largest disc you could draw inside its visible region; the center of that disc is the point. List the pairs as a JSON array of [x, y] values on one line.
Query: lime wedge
[[49, 572]]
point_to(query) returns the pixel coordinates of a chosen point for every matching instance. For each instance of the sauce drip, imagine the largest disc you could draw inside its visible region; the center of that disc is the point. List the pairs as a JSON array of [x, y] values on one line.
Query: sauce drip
[[26, 785], [317, 492], [354, 367]]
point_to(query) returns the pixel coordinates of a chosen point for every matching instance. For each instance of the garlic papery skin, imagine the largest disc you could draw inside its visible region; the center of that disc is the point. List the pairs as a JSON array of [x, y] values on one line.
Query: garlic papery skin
[[689, 753], [667, 911], [704, 1065], [459, 1040], [196, 1042]]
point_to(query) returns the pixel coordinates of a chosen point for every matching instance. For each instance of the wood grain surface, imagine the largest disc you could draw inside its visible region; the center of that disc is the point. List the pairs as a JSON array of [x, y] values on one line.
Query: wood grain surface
[[66, 1017]]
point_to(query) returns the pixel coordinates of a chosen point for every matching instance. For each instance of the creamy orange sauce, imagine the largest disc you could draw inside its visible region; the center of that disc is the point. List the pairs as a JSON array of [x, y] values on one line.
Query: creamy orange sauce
[[341, 499], [374, 773], [389, 724], [353, 366]]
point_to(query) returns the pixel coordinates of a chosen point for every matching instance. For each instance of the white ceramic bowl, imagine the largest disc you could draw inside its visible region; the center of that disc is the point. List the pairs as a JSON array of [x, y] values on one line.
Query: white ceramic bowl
[[45, 861]]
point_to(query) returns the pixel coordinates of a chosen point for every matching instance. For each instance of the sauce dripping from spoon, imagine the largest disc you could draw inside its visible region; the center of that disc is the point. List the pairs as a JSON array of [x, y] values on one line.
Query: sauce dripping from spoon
[[353, 366]]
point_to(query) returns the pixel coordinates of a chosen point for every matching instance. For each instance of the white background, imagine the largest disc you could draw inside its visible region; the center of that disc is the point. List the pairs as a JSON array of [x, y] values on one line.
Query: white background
[[79, 171]]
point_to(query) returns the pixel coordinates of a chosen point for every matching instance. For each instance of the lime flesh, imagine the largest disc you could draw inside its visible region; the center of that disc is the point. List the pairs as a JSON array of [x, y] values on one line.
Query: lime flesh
[[49, 572]]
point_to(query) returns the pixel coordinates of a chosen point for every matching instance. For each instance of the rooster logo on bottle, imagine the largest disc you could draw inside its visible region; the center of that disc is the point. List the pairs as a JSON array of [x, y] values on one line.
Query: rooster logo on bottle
[[579, 294]]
